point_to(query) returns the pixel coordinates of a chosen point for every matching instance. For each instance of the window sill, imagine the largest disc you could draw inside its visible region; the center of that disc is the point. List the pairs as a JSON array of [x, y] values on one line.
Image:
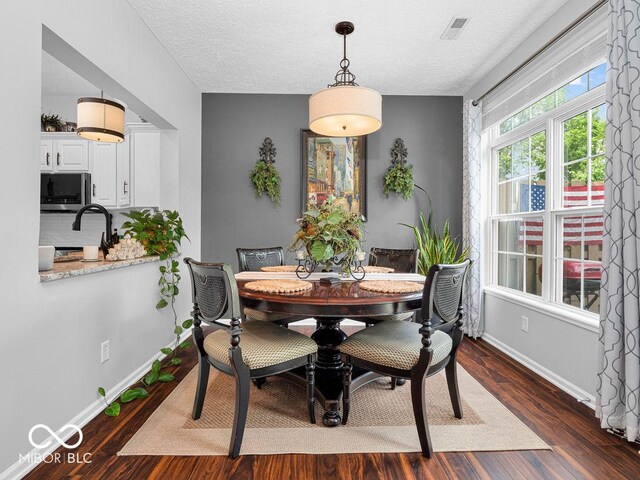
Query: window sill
[[568, 315]]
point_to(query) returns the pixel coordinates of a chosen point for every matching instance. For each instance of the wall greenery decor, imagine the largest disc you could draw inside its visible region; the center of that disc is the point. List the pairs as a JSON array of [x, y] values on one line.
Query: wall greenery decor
[[399, 176], [161, 234], [265, 176]]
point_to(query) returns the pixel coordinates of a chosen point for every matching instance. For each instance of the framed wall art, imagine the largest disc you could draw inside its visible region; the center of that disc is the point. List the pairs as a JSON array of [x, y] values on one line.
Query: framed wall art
[[334, 166]]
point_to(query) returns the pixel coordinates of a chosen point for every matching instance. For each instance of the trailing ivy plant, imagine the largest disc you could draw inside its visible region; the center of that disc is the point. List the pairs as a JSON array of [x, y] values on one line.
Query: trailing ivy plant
[[161, 233], [265, 176], [399, 176]]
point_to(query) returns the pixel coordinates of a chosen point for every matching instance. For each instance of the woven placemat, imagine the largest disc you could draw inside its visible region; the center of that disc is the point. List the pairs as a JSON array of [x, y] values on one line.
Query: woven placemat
[[279, 286], [376, 269], [280, 268], [391, 286]]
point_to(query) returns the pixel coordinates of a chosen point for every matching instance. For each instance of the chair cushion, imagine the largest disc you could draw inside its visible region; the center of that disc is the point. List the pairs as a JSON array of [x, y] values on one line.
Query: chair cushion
[[263, 344], [395, 344], [265, 316]]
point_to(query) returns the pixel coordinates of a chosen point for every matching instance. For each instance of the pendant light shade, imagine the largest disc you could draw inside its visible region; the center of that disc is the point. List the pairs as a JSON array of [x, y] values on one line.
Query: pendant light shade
[[345, 109], [100, 119]]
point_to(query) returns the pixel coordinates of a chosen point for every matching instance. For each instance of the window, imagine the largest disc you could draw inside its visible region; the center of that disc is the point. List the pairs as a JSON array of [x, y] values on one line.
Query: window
[[582, 84], [546, 213]]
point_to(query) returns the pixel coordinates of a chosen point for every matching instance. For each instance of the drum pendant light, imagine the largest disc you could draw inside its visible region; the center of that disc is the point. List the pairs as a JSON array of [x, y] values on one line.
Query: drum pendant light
[[345, 109], [100, 119]]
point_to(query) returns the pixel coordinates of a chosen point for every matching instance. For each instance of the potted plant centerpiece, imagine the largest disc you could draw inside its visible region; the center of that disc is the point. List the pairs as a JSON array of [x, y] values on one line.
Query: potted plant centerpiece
[[330, 235]]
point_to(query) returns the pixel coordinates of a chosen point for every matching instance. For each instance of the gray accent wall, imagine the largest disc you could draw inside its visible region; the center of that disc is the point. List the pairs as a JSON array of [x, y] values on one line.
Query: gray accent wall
[[234, 126]]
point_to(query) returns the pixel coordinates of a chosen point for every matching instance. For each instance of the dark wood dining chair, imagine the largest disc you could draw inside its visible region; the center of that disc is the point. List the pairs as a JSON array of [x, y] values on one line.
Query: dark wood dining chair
[[246, 350], [252, 260], [406, 350], [402, 261]]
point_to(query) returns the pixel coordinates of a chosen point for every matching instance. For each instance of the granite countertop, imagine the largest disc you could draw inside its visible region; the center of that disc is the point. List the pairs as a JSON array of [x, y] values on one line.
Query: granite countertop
[[76, 268]]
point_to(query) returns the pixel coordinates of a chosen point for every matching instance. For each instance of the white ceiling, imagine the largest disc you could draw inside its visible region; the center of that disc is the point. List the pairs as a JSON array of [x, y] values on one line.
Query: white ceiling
[[289, 46]]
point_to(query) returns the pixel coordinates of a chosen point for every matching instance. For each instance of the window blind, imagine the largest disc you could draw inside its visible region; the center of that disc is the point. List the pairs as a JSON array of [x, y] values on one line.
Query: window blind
[[582, 48]]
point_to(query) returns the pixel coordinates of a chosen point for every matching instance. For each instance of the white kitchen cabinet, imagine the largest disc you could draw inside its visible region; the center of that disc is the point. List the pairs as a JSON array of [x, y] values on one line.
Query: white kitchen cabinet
[[123, 174], [46, 155], [145, 161], [124, 171], [104, 174], [71, 155], [63, 152]]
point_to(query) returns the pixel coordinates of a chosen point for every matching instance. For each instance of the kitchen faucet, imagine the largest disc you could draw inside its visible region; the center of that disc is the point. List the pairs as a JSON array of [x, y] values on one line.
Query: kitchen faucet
[[111, 236]]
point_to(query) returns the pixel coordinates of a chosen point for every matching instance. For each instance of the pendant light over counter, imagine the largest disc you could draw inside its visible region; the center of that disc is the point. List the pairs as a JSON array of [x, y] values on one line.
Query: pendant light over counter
[[100, 119], [345, 109]]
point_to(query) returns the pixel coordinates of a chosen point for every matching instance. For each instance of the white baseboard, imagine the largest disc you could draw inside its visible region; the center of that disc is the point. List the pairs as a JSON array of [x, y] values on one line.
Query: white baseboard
[[576, 392], [20, 469]]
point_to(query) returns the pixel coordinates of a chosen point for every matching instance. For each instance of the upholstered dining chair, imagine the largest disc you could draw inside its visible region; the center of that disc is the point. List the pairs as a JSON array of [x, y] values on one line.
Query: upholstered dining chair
[[252, 260], [402, 261], [407, 350], [246, 350]]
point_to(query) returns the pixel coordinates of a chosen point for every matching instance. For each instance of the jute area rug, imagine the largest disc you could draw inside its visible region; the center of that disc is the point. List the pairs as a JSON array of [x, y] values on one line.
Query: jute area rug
[[381, 420]]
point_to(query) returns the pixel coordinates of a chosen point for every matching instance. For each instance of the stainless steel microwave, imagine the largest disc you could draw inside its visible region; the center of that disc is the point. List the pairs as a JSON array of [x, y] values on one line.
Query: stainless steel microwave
[[64, 191]]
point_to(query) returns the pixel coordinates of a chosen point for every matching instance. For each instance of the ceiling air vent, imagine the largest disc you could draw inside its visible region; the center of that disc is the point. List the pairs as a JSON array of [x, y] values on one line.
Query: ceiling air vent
[[454, 28]]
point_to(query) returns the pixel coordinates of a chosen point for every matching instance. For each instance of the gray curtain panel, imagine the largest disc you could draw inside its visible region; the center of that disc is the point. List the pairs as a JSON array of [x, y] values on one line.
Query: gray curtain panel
[[472, 215], [618, 391]]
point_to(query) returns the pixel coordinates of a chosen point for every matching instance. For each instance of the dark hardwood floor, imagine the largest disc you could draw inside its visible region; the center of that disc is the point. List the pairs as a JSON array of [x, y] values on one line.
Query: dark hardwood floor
[[581, 450]]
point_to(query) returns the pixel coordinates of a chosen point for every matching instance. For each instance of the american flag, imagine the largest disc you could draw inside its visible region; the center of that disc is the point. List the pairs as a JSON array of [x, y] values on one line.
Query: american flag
[[574, 230]]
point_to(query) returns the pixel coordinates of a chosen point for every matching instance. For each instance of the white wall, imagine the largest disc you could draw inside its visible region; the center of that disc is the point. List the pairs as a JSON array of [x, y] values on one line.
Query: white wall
[[51, 332], [564, 352]]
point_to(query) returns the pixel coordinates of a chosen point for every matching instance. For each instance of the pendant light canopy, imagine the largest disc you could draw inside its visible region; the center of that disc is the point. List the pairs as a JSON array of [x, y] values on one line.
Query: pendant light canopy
[[100, 119], [345, 109]]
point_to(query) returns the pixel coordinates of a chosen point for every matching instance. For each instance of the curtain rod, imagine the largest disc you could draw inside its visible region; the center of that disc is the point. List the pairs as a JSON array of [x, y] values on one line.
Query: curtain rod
[[544, 48]]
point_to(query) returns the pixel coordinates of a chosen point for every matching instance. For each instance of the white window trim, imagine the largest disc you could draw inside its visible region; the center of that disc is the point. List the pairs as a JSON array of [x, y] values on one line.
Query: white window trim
[[551, 122]]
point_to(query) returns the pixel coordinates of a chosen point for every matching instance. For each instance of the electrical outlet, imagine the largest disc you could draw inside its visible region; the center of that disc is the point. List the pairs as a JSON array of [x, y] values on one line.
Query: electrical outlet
[[525, 324], [104, 351]]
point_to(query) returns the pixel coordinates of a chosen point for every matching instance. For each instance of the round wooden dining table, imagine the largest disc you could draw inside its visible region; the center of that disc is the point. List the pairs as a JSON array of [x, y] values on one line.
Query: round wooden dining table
[[329, 305]]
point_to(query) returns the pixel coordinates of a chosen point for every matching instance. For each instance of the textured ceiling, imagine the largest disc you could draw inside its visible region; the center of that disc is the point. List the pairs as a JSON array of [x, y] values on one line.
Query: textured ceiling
[[289, 46]]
